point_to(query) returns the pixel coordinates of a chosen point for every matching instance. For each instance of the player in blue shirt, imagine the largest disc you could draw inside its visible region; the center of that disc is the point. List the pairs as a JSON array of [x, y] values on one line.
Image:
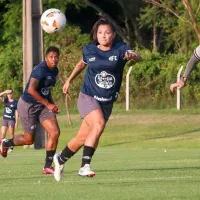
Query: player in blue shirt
[[105, 61], [36, 104], [10, 115]]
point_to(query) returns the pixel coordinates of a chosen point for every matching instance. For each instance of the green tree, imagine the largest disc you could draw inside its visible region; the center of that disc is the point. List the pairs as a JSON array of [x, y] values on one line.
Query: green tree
[[187, 11]]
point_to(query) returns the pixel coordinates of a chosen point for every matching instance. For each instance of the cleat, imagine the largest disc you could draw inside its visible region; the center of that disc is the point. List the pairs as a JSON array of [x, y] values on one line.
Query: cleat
[[86, 171], [48, 170], [3, 149], [58, 170], [10, 150]]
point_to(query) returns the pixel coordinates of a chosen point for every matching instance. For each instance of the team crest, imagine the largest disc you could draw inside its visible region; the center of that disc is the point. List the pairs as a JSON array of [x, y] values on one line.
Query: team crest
[[105, 80]]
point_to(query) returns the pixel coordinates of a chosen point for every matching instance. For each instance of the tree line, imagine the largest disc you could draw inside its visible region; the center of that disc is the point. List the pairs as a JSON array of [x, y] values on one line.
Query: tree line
[[164, 32]]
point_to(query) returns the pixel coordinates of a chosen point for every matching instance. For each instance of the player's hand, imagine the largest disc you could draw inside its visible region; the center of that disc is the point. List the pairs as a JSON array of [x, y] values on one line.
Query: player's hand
[[16, 124], [178, 84], [8, 91], [131, 55], [52, 107], [66, 87]]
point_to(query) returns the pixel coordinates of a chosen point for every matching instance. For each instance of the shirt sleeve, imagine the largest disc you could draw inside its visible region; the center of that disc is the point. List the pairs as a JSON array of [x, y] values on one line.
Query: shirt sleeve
[[197, 52], [16, 102], [37, 73], [124, 49], [191, 65], [84, 57], [5, 99]]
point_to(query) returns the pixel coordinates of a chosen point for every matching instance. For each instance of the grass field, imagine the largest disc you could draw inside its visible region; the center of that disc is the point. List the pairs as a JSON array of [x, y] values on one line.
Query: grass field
[[142, 155]]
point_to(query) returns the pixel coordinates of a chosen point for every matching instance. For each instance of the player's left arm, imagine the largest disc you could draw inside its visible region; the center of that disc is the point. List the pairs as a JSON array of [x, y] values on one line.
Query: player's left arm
[[131, 55]]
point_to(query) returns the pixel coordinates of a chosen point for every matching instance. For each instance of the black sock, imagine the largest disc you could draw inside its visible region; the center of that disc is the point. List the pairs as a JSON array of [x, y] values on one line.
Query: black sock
[[87, 155], [11, 147], [9, 143], [49, 158], [65, 155]]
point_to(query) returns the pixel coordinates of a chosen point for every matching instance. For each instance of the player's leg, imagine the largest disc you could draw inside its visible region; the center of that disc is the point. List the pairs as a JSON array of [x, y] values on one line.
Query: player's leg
[[49, 122], [3, 131], [86, 106], [11, 130], [19, 140], [72, 147], [97, 120], [27, 114]]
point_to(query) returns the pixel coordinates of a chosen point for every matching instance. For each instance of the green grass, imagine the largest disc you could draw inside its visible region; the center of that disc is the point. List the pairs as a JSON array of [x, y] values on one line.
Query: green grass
[[142, 155]]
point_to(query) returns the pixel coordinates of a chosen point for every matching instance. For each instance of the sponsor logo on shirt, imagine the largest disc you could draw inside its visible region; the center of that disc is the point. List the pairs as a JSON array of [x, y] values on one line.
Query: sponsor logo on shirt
[[8, 110], [45, 91], [112, 58], [105, 80], [102, 98], [7, 116], [92, 59]]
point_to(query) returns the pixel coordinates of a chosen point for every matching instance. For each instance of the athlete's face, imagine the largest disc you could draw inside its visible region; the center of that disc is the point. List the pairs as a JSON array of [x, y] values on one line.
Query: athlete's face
[[52, 59], [10, 95], [105, 35]]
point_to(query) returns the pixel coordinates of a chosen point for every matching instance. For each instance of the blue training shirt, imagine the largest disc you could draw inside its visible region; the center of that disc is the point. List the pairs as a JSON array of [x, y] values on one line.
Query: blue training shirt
[[9, 109], [104, 73], [47, 79]]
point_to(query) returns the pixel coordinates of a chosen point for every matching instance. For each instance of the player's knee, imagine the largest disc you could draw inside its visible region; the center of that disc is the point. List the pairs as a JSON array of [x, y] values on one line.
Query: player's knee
[[28, 138], [55, 134], [99, 127], [28, 141]]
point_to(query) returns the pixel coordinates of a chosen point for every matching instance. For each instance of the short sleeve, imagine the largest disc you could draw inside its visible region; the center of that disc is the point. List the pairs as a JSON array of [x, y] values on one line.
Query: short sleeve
[[5, 99], [124, 49], [38, 73], [16, 102], [197, 52], [84, 53]]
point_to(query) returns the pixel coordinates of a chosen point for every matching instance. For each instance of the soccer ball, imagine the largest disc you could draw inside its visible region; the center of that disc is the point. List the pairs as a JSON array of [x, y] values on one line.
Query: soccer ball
[[52, 20]]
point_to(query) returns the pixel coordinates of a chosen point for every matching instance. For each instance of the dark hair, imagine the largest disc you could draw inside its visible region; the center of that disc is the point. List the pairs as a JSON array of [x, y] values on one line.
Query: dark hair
[[101, 21], [54, 49]]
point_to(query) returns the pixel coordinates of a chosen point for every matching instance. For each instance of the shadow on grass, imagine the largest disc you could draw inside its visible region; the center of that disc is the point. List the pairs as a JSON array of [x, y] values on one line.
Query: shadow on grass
[[153, 138]]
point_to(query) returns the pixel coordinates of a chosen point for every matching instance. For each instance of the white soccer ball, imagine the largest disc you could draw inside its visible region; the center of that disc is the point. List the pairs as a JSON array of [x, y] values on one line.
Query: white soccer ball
[[53, 20]]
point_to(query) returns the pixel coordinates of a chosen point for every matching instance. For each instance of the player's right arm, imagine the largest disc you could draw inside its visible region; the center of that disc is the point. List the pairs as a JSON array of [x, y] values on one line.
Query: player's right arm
[[5, 92], [32, 90], [79, 67], [194, 60]]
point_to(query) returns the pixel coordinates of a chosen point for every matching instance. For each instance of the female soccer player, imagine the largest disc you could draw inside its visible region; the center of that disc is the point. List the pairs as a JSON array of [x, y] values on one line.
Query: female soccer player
[[36, 104], [10, 115], [195, 58], [105, 61]]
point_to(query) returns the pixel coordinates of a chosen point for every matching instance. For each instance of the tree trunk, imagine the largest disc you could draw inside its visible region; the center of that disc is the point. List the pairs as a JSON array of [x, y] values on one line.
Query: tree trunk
[[67, 110], [155, 38]]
